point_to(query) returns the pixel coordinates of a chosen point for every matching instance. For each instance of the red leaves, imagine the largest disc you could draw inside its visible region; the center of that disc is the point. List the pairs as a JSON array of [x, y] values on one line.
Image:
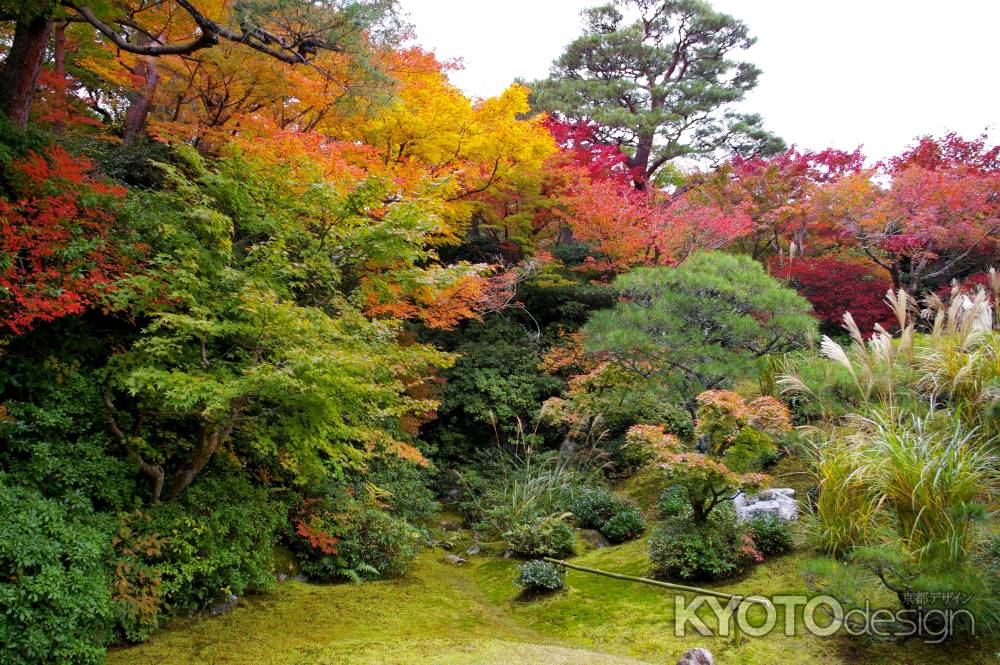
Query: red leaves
[[317, 538], [601, 161], [949, 153], [834, 286], [55, 259]]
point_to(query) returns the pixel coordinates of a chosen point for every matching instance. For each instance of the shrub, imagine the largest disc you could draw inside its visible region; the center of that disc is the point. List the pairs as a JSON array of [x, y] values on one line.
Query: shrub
[[55, 599], [219, 539], [539, 576], [673, 502], [370, 544], [715, 550], [624, 525], [771, 534], [547, 537], [406, 488], [594, 506], [615, 517], [339, 536]]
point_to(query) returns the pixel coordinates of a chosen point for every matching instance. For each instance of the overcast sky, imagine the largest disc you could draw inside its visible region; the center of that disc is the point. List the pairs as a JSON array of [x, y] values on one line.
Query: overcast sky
[[872, 72]]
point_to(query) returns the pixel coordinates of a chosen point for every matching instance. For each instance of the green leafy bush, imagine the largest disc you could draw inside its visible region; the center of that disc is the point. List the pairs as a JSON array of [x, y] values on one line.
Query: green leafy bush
[[624, 525], [55, 585], [771, 534], [540, 576], [673, 502], [615, 517], [405, 486], [55, 436], [219, 539], [339, 537], [715, 550], [546, 537], [594, 506]]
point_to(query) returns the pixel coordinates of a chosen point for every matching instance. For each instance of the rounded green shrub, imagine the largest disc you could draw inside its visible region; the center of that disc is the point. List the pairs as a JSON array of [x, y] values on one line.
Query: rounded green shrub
[[365, 543], [540, 576], [614, 516], [673, 502], [219, 538], [594, 506], [624, 525], [720, 548], [547, 537], [771, 534]]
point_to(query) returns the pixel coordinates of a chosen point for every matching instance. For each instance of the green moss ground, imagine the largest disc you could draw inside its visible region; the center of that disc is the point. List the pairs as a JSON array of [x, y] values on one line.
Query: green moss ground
[[445, 614], [440, 613]]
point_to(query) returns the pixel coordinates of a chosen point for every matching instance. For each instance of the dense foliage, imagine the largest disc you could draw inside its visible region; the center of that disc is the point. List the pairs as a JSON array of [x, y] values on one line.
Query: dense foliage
[[273, 292]]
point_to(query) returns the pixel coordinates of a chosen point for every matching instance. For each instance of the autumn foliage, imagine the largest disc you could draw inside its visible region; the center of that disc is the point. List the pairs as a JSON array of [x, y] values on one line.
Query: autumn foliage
[[56, 224], [836, 285]]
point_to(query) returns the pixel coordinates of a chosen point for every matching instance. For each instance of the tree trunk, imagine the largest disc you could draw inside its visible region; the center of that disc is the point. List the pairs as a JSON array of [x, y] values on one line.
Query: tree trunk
[[19, 77], [640, 160], [59, 69], [142, 101], [199, 458]]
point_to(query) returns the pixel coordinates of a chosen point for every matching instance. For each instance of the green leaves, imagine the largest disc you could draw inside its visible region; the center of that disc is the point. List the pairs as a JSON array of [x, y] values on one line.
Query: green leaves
[[659, 85], [255, 336], [702, 324]]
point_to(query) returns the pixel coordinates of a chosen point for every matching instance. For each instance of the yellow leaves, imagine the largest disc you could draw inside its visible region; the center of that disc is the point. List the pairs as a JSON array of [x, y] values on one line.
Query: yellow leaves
[[432, 131]]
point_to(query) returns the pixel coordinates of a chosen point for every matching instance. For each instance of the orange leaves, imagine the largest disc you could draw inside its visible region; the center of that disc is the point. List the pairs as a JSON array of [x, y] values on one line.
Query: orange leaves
[[770, 415], [654, 438], [723, 414], [445, 296], [317, 538], [626, 227]]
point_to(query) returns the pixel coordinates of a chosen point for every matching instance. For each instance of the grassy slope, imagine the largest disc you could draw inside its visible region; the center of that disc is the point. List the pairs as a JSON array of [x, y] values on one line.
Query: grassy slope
[[443, 614]]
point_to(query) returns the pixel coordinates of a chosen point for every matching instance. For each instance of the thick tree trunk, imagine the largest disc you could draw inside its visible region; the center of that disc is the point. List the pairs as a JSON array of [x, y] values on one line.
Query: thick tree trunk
[[640, 160], [19, 77], [59, 69], [142, 101]]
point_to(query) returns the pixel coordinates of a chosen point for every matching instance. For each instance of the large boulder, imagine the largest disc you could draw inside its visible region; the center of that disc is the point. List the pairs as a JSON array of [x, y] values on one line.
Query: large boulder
[[778, 501]]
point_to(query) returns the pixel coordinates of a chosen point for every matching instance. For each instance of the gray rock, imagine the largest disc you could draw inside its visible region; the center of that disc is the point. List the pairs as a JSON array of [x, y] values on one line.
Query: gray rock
[[593, 538], [226, 606], [697, 656], [472, 551], [778, 501], [457, 560]]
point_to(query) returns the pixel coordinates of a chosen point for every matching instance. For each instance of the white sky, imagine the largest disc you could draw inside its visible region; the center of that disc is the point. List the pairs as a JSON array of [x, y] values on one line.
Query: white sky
[[840, 74]]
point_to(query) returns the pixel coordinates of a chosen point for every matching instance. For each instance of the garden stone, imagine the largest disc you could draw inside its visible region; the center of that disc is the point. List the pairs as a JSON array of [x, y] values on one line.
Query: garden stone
[[697, 656], [457, 560], [778, 501], [226, 606], [593, 538]]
